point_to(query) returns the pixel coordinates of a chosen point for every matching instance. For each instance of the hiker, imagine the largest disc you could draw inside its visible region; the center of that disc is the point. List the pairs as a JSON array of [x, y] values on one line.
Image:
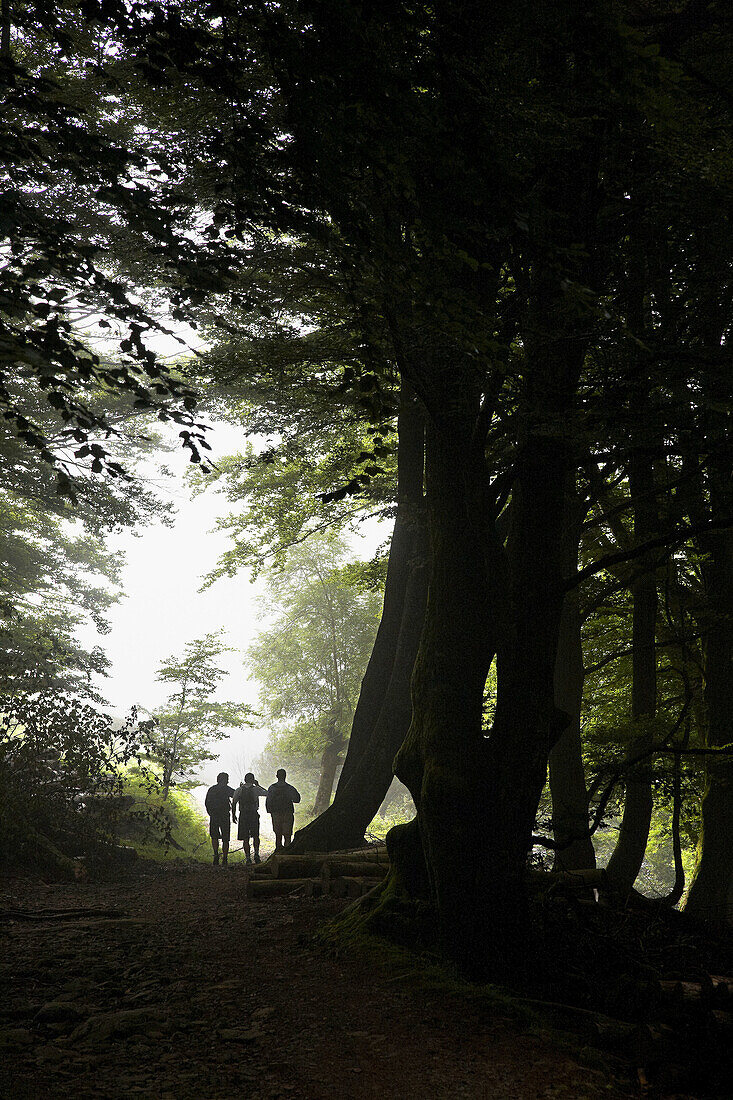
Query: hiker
[[281, 797], [248, 797], [217, 807]]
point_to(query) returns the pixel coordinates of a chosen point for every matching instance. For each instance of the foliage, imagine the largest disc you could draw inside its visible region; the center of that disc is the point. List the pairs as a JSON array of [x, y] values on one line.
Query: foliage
[[310, 661], [94, 207], [285, 490], [183, 834], [61, 765], [183, 728], [55, 568]]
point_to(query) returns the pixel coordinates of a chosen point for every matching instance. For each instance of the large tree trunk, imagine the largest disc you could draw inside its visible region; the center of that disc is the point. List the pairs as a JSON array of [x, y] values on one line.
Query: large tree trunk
[[382, 715], [476, 797], [711, 893], [628, 855], [444, 761], [354, 806]]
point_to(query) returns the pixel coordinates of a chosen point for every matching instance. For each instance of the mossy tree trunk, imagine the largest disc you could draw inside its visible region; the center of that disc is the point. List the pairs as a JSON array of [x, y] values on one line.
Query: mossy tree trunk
[[383, 711], [477, 797]]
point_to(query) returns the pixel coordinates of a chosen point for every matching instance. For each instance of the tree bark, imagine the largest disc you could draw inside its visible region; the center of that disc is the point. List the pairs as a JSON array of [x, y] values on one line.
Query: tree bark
[[5, 28], [628, 855], [711, 892], [343, 824], [329, 766], [476, 797], [444, 760], [567, 773], [382, 715]]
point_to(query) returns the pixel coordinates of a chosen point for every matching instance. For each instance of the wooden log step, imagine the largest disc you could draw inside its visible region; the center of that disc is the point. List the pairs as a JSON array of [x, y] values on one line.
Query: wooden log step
[[357, 869], [371, 853], [375, 853], [284, 866], [258, 888]]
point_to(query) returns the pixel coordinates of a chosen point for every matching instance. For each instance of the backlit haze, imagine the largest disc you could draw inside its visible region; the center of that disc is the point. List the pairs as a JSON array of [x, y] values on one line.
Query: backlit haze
[[162, 608]]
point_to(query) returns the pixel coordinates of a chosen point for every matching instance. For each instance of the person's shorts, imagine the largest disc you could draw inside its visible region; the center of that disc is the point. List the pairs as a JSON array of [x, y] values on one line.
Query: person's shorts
[[219, 827], [249, 826], [283, 823]]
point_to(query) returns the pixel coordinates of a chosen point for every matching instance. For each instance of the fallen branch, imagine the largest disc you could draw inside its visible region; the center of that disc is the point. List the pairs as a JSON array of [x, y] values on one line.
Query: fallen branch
[[58, 914]]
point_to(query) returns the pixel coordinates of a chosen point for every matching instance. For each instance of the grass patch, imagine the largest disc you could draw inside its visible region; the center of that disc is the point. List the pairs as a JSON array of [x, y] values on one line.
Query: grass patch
[[149, 819]]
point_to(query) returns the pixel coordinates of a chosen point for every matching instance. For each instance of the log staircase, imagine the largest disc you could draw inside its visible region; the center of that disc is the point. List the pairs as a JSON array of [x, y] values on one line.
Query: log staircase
[[348, 874]]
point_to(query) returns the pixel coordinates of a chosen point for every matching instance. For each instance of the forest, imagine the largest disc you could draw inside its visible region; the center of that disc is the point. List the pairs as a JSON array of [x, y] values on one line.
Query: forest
[[463, 269]]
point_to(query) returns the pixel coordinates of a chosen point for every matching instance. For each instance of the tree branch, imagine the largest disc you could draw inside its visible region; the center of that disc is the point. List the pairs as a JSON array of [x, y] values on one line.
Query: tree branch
[[668, 541]]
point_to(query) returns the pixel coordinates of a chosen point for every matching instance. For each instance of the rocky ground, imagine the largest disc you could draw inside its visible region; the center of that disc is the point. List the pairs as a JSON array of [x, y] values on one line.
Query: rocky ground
[[178, 987]]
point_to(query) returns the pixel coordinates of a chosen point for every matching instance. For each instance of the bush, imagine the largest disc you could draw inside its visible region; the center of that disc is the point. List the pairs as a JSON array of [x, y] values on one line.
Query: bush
[[185, 830], [61, 767]]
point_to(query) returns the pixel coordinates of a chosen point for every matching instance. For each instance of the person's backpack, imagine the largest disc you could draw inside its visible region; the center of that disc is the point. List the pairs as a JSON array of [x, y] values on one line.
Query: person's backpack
[[249, 799], [279, 799]]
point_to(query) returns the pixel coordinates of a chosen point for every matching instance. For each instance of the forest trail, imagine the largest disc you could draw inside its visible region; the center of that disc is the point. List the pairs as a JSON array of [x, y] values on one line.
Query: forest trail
[[196, 993]]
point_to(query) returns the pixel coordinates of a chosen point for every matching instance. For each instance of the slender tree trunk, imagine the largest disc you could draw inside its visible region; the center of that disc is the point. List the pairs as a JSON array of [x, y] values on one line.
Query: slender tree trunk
[[382, 714], [406, 542], [329, 765], [711, 892], [567, 773], [354, 807], [628, 855], [5, 28]]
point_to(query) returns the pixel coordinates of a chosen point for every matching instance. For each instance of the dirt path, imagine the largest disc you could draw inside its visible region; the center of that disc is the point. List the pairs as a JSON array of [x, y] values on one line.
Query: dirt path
[[196, 993]]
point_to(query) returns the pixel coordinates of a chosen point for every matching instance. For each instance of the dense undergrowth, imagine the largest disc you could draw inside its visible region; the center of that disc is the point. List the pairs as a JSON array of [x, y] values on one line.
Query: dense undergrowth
[[159, 828], [76, 793]]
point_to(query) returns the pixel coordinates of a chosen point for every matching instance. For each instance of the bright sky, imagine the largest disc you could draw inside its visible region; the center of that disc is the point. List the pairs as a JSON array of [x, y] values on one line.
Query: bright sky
[[163, 607]]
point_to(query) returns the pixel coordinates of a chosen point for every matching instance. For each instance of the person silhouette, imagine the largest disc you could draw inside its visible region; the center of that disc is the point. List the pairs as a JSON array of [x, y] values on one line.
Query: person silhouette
[[281, 798], [217, 807], [247, 797]]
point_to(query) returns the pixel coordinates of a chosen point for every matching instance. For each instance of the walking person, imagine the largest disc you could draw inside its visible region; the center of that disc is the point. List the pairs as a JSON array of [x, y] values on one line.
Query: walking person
[[281, 799], [247, 797], [217, 807]]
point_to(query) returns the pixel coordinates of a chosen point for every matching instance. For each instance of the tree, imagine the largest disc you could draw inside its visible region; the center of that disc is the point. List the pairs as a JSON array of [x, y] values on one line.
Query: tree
[[382, 715], [466, 177], [61, 769], [55, 568], [311, 660], [190, 719], [86, 206]]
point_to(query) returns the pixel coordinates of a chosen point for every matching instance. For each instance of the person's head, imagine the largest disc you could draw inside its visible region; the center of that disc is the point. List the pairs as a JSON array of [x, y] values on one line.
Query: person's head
[[249, 777], [222, 777], [281, 773]]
